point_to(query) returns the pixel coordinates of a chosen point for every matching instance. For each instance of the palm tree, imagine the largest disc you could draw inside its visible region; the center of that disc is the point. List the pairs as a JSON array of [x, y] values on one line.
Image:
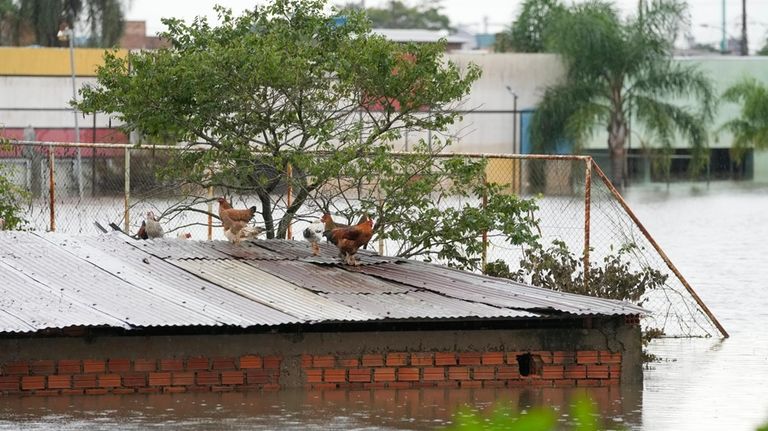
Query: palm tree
[[621, 69], [750, 129], [44, 18]]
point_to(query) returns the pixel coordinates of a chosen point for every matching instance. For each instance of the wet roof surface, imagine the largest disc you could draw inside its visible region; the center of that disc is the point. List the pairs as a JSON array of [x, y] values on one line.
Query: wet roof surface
[[53, 281]]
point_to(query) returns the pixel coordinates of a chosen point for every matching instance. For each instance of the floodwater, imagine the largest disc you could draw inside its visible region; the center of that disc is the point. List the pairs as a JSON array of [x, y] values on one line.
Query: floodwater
[[717, 236]]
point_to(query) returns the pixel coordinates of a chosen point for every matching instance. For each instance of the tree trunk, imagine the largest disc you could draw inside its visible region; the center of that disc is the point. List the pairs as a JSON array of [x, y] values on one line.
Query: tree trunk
[[617, 137]]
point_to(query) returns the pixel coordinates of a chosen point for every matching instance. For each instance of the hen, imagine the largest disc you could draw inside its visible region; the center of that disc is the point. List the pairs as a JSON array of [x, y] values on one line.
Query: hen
[[330, 225], [152, 226], [235, 221], [314, 233], [349, 239]]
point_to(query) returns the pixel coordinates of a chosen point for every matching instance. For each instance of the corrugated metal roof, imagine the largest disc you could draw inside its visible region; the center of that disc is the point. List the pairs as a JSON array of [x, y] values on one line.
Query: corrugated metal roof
[[55, 281]]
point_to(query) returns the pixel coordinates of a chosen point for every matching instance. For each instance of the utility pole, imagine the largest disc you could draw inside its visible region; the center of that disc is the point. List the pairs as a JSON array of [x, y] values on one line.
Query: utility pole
[[744, 45], [724, 39]]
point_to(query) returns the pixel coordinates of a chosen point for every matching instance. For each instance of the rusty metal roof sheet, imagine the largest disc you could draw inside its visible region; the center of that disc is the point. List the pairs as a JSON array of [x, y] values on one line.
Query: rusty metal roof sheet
[[55, 281]]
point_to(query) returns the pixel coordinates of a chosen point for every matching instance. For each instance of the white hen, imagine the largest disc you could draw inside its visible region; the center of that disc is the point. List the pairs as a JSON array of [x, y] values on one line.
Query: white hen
[[313, 234], [153, 227], [247, 232]]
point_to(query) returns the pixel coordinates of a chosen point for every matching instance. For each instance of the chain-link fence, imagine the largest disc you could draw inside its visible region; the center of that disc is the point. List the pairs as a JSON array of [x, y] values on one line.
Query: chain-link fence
[[75, 188]]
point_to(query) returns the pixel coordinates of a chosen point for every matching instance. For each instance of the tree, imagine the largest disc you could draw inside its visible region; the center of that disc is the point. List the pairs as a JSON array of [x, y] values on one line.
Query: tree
[[12, 199], [285, 87], [526, 34], [763, 50], [621, 69], [44, 18], [425, 15], [750, 129]]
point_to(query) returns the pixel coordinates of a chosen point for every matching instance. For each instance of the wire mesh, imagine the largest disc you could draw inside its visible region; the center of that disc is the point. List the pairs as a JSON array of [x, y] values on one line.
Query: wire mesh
[[99, 184]]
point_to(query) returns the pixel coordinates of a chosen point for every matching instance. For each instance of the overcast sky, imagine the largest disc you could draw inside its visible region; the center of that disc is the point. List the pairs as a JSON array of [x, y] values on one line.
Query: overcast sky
[[706, 15]]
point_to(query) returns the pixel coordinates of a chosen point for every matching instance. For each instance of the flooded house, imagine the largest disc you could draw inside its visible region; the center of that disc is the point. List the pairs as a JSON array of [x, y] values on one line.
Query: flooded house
[[112, 315]]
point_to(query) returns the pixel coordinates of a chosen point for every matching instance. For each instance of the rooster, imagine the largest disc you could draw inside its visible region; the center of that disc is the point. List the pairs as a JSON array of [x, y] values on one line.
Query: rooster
[[314, 233], [152, 226], [349, 239], [235, 221]]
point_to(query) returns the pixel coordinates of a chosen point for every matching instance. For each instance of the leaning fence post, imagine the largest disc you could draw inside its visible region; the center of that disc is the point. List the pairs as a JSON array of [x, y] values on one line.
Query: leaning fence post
[[51, 188], [126, 210], [289, 175], [587, 216]]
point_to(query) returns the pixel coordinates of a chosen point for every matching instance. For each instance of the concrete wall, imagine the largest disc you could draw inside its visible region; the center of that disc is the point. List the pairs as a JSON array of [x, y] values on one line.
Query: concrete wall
[[606, 355]]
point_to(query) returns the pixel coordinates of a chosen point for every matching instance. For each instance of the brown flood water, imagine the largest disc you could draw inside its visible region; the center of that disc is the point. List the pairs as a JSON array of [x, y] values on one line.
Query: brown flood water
[[718, 238]]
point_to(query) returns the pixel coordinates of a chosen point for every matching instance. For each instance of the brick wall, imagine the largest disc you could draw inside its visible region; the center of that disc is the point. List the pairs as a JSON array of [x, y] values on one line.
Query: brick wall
[[462, 369], [127, 376]]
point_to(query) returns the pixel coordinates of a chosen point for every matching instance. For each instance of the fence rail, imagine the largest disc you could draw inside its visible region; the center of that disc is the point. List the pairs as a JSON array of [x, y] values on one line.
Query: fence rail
[[577, 205]]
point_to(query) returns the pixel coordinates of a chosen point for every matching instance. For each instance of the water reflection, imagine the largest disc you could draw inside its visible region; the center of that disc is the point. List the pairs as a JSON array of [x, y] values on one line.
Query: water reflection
[[426, 408]]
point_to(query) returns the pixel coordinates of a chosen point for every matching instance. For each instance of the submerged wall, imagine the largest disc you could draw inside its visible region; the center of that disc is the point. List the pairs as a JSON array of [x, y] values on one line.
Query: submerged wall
[[555, 357]]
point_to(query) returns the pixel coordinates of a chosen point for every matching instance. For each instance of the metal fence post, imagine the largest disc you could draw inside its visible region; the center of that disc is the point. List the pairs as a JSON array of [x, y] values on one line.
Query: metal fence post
[[289, 175], [484, 261], [51, 188], [210, 213], [126, 210], [587, 216]]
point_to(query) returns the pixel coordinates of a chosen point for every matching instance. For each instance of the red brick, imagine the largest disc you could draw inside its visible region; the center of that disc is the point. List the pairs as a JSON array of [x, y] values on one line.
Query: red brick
[[150, 390], [59, 381], [360, 375], [422, 359], [586, 357], [615, 371], [433, 374], [396, 359], [134, 379], [271, 387], [47, 393], [84, 381], [29, 383], [232, 377], [545, 355], [373, 360], [607, 357], [197, 363], [10, 383], [160, 379], [445, 358], [408, 374], [69, 366], [400, 385], [314, 376], [174, 389], [597, 371], [72, 391], [306, 361], [428, 384], [575, 372], [272, 361], [494, 383], [384, 374], [145, 365], [375, 385], [470, 358], [323, 361], [507, 373], [224, 364], [493, 358], [335, 375], [471, 384], [172, 364], [564, 383], [447, 384], [262, 376], [349, 362], [483, 373], [118, 365], [609, 382], [16, 368], [105, 380], [217, 388], [588, 383], [253, 361], [44, 367], [206, 378], [542, 382], [458, 373], [563, 357], [550, 371], [97, 391], [184, 378], [94, 366], [123, 391]]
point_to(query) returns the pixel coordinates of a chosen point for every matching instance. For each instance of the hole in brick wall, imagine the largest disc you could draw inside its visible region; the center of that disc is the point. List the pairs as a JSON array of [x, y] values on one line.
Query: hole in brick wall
[[529, 364]]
